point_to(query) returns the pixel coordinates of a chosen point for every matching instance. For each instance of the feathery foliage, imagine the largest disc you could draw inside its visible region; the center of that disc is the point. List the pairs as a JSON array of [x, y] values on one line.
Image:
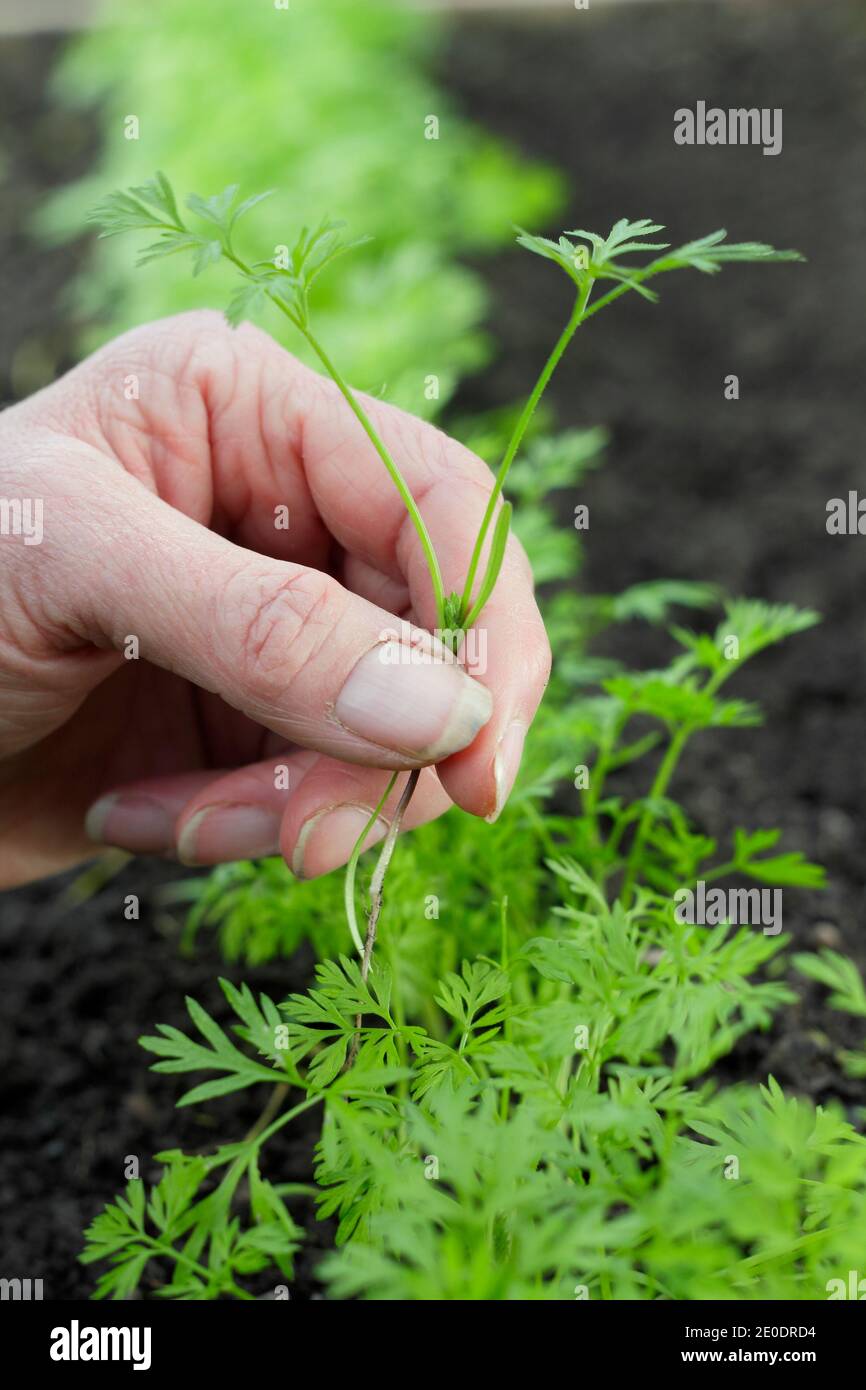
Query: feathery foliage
[[529, 1111]]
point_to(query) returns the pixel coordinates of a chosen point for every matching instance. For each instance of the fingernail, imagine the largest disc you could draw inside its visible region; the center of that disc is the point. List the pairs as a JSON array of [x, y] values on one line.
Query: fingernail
[[413, 700], [133, 822], [327, 839], [506, 765], [219, 834]]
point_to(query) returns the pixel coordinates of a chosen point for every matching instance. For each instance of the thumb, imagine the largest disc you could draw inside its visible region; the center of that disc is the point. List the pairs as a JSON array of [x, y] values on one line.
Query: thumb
[[287, 645]]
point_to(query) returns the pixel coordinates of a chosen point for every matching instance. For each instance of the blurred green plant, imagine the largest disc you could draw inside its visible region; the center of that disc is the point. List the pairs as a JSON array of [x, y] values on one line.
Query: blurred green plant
[[329, 103]]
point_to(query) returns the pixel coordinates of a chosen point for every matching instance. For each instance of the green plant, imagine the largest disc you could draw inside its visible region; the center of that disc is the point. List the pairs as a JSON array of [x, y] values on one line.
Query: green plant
[[287, 278], [286, 281], [848, 994], [527, 1113]]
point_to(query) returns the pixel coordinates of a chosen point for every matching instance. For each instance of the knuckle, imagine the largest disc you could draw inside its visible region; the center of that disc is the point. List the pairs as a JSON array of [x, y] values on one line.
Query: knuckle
[[283, 624]]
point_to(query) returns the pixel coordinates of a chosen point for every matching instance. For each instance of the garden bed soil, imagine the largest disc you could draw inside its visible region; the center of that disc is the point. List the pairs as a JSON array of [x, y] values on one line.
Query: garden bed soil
[[694, 486]]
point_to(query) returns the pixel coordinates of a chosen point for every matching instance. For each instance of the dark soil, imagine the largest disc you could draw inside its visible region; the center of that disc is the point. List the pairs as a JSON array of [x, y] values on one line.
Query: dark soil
[[694, 486], [79, 985]]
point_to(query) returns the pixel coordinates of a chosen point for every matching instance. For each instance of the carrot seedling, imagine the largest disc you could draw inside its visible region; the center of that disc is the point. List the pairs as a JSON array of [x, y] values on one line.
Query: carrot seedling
[[285, 281]]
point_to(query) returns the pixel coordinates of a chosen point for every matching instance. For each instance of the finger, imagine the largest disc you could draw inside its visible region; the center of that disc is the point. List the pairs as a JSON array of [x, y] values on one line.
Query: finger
[[238, 815], [278, 430], [334, 803], [140, 816], [288, 646], [372, 584], [163, 815], [272, 427], [307, 806]]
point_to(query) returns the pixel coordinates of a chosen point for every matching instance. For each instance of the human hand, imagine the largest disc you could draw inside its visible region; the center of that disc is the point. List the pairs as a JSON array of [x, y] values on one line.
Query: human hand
[[167, 648]]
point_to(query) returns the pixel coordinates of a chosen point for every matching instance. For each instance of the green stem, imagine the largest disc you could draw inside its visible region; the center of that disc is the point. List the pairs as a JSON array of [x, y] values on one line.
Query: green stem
[[284, 1119], [371, 433], [637, 277], [611, 296], [277, 1096], [170, 1252], [399, 481], [665, 772], [597, 777], [667, 767], [532, 814], [622, 825], [579, 313]]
